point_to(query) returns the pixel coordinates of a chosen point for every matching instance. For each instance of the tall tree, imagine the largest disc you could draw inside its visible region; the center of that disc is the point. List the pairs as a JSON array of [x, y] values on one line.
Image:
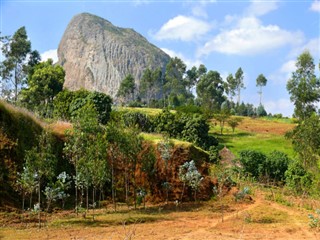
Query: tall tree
[[174, 78], [239, 84], [304, 87], [261, 81], [230, 86], [150, 84], [15, 49], [126, 89], [210, 90], [45, 81]]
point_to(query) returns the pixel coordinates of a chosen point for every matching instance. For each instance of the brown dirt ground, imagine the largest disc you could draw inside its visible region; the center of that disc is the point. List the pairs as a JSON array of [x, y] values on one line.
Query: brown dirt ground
[[258, 219], [265, 126]]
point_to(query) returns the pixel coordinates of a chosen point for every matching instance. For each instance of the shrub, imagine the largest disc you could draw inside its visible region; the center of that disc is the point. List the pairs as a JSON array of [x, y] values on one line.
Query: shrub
[[276, 165], [139, 120], [253, 162], [298, 178]]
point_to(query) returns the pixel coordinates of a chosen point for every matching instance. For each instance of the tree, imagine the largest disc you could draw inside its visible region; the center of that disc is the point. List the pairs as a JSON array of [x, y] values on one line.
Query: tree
[[165, 148], [126, 89], [189, 174], [239, 82], [261, 112], [80, 148], [222, 118], [150, 84], [234, 122], [306, 141], [45, 81], [304, 87], [15, 50], [261, 81], [210, 90], [41, 161], [230, 86], [174, 79]]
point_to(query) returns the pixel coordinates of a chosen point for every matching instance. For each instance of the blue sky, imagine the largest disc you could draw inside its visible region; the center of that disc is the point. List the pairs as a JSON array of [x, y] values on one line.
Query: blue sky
[[258, 36]]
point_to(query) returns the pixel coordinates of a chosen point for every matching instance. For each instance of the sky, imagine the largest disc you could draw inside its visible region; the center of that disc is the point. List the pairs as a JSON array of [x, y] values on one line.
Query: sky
[[261, 37]]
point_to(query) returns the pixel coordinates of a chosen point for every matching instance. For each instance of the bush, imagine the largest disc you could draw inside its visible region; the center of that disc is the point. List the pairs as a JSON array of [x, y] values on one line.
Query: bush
[[139, 120], [67, 103], [253, 162], [261, 166], [276, 165], [298, 178]]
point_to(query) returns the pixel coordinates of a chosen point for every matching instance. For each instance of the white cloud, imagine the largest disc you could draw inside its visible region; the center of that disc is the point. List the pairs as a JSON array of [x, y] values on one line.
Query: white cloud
[[190, 63], [250, 37], [199, 11], [288, 67], [313, 46], [50, 54], [260, 8], [283, 105], [183, 28], [315, 6]]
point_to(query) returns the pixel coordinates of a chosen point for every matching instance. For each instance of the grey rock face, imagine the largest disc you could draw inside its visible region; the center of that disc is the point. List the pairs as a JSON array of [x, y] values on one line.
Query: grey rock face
[[97, 55]]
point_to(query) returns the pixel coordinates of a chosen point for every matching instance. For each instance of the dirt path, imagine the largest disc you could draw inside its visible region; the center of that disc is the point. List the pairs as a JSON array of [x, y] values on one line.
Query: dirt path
[[279, 222]]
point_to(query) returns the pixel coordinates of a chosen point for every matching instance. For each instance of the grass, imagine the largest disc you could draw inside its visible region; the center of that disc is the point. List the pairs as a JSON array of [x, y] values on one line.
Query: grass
[[108, 219], [147, 111], [265, 143]]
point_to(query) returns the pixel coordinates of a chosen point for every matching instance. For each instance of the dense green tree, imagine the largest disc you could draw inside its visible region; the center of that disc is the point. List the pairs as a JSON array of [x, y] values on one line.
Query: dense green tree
[[210, 91], [261, 81], [126, 89], [230, 86], [261, 112], [150, 84], [306, 141], [304, 87], [15, 50], [239, 84], [44, 84], [174, 79]]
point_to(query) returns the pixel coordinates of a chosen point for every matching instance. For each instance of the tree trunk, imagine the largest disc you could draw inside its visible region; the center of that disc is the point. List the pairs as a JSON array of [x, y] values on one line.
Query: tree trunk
[[39, 200]]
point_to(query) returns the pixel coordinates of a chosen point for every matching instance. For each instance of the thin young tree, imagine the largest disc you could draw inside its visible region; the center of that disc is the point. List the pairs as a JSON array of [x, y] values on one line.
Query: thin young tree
[[261, 81]]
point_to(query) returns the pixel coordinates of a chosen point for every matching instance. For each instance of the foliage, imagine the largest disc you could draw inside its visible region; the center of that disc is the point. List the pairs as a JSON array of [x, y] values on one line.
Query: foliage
[[276, 165], [265, 167], [189, 174], [44, 84], [126, 89], [210, 90], [15, 50], [261, 112], [214, 156], [139, 120], [242, 194], [193, 128], [174, 84], [150, 84], [253, 162], [233, 122], [67, 104], [305, 142], [303, 87], [314, 219], [261, 81], [239, 84], [298, 179]]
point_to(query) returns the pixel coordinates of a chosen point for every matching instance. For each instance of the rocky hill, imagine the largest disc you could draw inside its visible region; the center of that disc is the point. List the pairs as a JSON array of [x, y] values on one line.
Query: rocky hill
[[97, 55]]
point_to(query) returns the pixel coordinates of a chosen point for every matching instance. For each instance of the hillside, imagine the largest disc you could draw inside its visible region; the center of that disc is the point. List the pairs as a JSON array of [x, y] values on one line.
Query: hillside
[[97, 55]]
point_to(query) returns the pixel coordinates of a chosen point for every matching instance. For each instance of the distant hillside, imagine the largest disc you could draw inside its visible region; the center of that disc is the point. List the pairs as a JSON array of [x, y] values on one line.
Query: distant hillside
[[97, 55]]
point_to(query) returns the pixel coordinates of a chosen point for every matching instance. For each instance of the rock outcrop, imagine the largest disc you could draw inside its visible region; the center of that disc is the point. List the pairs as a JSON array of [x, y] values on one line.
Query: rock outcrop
[[97, 55]]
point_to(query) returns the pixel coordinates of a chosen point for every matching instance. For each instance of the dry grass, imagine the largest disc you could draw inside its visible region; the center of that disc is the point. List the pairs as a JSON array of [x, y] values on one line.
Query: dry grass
[[259, 219]]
